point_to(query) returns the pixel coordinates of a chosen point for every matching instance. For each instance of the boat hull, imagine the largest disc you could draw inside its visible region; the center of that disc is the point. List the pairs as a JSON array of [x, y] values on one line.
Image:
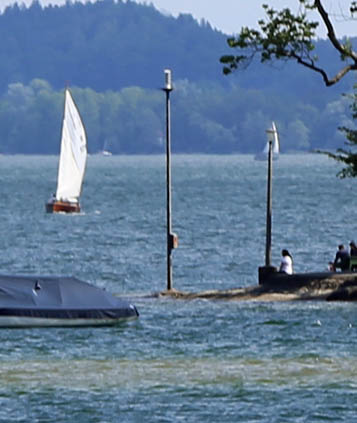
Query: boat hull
[[55, 301], [41, 322], [62, 207]]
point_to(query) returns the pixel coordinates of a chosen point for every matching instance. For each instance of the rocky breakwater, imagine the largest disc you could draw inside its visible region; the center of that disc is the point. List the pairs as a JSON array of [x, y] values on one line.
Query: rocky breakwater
[[324, 286]]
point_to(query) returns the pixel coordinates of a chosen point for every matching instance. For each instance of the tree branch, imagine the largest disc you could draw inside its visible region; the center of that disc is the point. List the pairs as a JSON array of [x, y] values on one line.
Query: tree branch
[[331, 33], [286, 36], [328, 81]]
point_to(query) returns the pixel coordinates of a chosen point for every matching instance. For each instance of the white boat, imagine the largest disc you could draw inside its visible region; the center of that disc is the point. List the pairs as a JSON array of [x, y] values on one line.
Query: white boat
[[273, 136], [72, 162], [106, 150]]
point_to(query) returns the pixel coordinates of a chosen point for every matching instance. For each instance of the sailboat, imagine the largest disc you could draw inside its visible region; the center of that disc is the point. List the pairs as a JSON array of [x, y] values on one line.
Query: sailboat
[[72, 162], [106, 151], [274, 138]]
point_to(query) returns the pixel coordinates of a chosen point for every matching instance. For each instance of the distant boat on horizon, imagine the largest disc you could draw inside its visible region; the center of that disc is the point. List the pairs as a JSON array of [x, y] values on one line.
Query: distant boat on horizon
[[107, 153], [273, 136], [106, 149], [72, 162]]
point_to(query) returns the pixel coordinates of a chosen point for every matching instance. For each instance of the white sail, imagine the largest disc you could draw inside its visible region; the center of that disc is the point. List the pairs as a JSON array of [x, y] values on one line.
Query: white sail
[[266, 148], [276, 146], [73, 156], [273, 137]]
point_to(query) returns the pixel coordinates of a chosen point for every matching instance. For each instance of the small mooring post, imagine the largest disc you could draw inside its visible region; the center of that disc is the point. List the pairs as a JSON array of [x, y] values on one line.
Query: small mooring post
[[172, 240]]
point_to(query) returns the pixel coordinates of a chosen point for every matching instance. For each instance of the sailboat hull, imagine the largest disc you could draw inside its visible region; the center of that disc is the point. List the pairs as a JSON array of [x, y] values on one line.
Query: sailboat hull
[[62, 207]]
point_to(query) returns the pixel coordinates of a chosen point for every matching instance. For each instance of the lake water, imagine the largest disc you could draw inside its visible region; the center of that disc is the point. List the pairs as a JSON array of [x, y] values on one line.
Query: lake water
[[195, 361]]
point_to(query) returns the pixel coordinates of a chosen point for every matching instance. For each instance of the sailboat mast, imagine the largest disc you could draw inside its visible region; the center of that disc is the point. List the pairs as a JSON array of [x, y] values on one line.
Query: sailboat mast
[[61, 142]]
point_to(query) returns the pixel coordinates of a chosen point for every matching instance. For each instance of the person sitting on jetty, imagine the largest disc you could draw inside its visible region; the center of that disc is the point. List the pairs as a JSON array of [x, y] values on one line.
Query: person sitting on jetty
[[286, 265], [342, 259], [353, 249]]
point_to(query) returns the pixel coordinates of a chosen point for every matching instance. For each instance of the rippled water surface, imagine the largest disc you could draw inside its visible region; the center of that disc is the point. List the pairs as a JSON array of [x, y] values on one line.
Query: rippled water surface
[[199, 361]]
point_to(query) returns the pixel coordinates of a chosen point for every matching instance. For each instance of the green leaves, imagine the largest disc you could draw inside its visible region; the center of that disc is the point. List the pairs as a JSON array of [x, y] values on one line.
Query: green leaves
[[282, 36], [286, 36], [348, 155]]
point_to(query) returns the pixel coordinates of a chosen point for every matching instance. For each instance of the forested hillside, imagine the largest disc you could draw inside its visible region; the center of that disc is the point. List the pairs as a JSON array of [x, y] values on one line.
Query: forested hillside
[[104, 45], [112, 55]]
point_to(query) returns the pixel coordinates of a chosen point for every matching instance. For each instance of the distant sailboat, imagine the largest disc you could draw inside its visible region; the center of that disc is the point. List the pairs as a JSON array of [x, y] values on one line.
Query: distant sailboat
[[274, 138], [72, 162], [106, 151]]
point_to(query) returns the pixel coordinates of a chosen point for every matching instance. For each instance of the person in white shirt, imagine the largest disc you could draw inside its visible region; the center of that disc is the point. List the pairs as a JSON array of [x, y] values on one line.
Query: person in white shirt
[[286, 265]]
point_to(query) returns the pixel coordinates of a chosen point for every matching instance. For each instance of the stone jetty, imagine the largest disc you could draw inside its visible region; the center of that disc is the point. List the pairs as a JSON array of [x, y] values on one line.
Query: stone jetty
[[323, 286]]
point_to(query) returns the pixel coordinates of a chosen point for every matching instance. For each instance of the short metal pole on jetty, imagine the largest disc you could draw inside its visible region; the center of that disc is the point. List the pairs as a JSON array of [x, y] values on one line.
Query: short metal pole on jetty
[[172, 240]]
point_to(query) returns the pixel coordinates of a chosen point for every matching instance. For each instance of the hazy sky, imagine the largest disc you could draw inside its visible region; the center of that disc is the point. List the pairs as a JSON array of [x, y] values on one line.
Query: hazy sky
[[230, 15]]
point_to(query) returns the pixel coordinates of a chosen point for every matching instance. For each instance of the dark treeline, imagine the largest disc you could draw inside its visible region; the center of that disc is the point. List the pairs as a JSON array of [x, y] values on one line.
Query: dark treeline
[[205, 119], [113, 54]]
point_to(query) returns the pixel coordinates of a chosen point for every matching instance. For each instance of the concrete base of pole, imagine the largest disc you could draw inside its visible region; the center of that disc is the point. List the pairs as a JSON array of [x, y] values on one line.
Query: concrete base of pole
[[264, 272]]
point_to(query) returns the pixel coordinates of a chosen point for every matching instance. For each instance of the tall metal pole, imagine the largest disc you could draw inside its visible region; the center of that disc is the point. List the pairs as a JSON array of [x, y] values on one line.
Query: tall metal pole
[[170, 244], [269, 202]]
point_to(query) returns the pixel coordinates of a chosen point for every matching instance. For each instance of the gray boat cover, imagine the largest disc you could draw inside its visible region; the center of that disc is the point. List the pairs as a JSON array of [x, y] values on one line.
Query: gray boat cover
[[60, 298]]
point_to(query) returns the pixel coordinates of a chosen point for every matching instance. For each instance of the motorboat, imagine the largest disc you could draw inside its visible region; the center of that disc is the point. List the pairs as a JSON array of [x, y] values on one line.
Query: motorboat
[[57, 301]]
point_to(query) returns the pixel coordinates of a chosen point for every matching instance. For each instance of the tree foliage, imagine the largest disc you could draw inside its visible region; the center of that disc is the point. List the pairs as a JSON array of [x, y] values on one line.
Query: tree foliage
[[348, 155], [206, 118], [105, 45], [112, 55], [286, 36]]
